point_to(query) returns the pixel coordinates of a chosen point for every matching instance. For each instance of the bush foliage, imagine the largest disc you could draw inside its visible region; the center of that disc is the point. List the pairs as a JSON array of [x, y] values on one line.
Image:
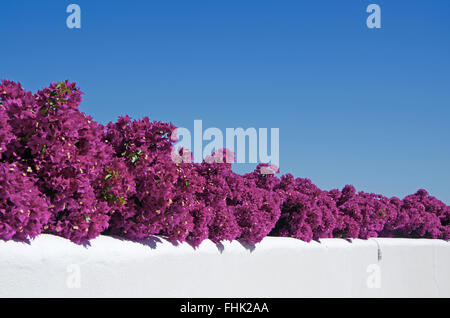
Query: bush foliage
[[63, 173]]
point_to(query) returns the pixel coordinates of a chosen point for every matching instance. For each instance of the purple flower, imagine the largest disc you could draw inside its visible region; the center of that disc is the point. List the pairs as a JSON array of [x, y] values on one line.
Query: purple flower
[[23, 209], [65, 174]]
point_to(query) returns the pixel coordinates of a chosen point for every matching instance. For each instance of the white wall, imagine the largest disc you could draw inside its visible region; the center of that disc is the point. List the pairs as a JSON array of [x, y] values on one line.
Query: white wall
[[277, 267]]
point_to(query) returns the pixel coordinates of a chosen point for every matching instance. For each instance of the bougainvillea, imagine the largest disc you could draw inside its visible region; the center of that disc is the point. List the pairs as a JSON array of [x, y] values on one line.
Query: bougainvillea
[[23, 208], [18, 113], [65, 174], [256, 210], [363, 215], [216, 194], [425, 216], [307, 212], [6, 134], [63, 149], [146, 148]]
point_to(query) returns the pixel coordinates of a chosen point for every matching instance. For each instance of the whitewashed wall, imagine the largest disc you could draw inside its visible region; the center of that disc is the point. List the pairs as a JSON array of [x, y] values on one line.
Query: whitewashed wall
[[277, 267]]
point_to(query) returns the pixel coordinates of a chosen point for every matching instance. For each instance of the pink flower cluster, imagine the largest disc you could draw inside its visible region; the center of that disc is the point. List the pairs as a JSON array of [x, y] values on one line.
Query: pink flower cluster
[[65, 174], [180, 199]]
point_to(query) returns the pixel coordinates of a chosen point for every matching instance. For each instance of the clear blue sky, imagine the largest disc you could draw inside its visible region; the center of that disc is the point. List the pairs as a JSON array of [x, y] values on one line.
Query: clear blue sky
[[354, 105]]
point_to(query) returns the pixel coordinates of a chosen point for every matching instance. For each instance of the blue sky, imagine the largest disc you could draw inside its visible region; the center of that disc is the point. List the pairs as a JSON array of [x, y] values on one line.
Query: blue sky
[[368, 107]]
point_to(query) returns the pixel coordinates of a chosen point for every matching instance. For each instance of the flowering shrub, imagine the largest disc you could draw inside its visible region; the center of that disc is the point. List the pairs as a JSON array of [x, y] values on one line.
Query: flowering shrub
[[363, 215], [5, 133], [235, 207], [256, 210], [63, 173], [23, 209], [63, 150], [424, 216], [17, 115], [167, 200], [307, 212], [216, 195]]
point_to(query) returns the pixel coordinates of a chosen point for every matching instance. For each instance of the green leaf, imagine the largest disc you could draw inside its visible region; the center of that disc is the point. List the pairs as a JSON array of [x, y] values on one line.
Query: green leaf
[[122, 200]]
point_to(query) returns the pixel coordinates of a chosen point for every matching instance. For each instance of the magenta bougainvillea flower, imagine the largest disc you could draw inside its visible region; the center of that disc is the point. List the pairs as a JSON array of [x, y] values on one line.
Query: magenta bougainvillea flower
[[145, 147], [63, 150], [307, 212], [63, 173], [363, 215], [23, 208], [424, 216], [6, 134]]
